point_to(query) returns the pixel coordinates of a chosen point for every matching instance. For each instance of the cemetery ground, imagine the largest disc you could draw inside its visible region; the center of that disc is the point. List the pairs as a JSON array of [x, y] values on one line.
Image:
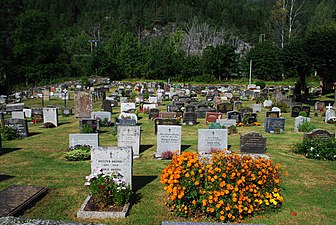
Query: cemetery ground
[[309, 189]]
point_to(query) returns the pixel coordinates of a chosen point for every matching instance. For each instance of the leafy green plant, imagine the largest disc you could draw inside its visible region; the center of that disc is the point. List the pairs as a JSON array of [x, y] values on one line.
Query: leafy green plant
[[303, 113], [306, 126], [87, 128], [104, 122], [317, 148], [262, 84], [108, 190], [78, 153], [9, 133], [282, 106], [214, 125]]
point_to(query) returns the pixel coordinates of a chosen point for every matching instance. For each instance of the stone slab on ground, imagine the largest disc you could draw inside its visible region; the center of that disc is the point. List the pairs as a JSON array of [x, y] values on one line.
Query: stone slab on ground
[[11, 220], [15, 198]]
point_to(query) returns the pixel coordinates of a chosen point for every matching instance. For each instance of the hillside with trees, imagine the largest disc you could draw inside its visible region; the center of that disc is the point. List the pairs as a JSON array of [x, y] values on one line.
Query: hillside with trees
[[190, 40]]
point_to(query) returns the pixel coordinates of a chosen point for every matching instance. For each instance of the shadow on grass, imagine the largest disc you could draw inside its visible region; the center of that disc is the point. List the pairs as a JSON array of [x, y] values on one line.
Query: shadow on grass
[[4, 177], [8, 150], [185, 147], [140, 117], [145, 147], [138, 124], [141, 181], [33, 134]]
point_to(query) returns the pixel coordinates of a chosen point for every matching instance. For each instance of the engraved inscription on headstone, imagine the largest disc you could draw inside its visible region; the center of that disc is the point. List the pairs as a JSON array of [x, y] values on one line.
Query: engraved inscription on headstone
[[168, 139], [129, 136], [212, 139], [253, 143], [84, 139]]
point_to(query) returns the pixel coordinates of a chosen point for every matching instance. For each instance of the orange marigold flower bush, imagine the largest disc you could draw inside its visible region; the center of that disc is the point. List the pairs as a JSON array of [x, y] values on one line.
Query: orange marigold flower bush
[[223, 187]]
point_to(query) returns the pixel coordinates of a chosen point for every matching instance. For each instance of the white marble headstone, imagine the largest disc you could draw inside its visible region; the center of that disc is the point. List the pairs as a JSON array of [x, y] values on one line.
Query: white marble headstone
[[129, 136], [168, 139], [50, 115], [212, 139]]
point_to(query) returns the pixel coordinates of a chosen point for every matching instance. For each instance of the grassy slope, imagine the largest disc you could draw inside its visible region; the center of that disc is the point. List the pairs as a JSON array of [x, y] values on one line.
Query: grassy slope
[[309, 190]]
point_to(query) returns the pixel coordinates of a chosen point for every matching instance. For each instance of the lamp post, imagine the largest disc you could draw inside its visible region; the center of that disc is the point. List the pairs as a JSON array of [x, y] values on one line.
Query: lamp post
[[65, 92]]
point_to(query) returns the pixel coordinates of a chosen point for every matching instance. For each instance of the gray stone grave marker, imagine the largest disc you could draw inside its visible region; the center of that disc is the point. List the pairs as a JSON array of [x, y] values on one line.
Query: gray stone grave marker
[[84, 139], [299, 120], [50, 115], [18, 115], [253, 143], [102, 115], [168, 139], [129, 136], [274, 125], [20, 125], [83, 104], [209, 139], [256, 108], [317, 133]]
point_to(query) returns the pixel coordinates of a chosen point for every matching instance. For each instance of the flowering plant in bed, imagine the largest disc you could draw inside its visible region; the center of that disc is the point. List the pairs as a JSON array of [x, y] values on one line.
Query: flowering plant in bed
[[225, 187], [108, 190]]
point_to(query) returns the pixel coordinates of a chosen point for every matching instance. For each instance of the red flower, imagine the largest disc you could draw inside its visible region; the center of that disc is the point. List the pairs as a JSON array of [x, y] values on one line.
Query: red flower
[[102, 186]]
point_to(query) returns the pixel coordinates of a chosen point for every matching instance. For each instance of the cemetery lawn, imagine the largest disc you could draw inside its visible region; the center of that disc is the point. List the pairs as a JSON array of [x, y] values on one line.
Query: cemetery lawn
[[309, 189]]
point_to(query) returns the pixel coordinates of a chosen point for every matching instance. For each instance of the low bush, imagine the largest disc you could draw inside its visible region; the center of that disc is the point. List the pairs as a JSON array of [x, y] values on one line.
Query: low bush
[[224, 187], [78, 153], [262, 84], [317, 148], [306, 126], [104, 122], [87, 128], [303, 113], [282, 106], [9, 133]]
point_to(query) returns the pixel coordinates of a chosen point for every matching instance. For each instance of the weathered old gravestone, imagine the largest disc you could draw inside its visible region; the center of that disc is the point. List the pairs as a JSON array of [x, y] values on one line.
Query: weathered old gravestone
[[224, 107], [167, 115], [113, 160], [295, 111], [168, 139], [93, 123], [126, 106], [190, 118], [46, 95], [153, 113], [14, 107], [66, 111], [226, 122], [298, 121], [130, 116], [319, 106], [272, 114], [20, 125], [18, 115], [107, 105], [253, 143], [211, 117], [234, 115], [267, 103], [190, 108], [129, 136], [83, 104], [317, 133], [329, 114], [274, 125], [256, 108], [84, 139], [212, 139], [101, 116], [50, 115], [246, 110]]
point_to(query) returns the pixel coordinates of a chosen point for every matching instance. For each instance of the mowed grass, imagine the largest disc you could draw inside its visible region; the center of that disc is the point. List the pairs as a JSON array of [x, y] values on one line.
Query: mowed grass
[[309, 190]]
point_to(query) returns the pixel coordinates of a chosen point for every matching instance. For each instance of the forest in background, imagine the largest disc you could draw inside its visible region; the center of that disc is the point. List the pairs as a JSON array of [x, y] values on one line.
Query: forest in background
[[190, 40]]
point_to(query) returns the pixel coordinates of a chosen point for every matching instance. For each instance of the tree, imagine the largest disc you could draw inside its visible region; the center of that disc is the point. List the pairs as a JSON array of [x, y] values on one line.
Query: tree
[[266, 61]]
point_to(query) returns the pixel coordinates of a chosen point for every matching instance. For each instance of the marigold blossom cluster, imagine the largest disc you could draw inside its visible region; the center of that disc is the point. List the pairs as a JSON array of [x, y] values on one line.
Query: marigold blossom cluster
[[223, 187]]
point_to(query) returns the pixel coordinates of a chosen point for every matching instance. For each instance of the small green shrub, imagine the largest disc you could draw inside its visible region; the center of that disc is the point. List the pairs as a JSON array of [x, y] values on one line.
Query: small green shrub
[[303, 113], [317, 148], [133, 96], [282, 106], [104, 122], [306, 127], [214, 125], [78, 153], [262, 84], [87, 128], [9, 133]]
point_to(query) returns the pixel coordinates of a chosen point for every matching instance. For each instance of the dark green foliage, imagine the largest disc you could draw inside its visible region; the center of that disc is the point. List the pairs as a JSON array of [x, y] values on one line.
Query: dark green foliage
[[87, 128], [317, 148], [9, 133], [214, 126], [261, 84], [78, 153], [306, 126], [303, 113], [282, 106]]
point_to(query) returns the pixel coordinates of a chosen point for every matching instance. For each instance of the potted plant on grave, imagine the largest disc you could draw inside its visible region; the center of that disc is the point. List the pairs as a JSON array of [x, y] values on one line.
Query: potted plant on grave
[[109, 196]]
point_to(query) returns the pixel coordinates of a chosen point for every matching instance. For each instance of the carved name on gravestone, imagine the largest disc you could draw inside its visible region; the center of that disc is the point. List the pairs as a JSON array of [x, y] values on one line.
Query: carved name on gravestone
[[84, 139], [212, 139], [20, 125], [50, 115], [129, 136], [234, 115], [162, 121], [211, 117], [66, 111], [256, 108], [153, 113], [83, 104], [168, 139], [298, 121], [226, 122], [272, 114], [190, 118], [253, 143], [126, 106], [101, 116], [274, 125], [107, 105], [317, 133], [18, 115], [113, 160]]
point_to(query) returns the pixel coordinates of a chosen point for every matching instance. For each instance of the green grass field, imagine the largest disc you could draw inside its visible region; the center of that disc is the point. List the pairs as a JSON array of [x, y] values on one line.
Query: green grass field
[[309, 190]]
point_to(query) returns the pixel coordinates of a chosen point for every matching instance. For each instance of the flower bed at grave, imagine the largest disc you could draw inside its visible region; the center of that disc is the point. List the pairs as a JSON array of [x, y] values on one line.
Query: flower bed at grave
[[223, 188], [250, 124]]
